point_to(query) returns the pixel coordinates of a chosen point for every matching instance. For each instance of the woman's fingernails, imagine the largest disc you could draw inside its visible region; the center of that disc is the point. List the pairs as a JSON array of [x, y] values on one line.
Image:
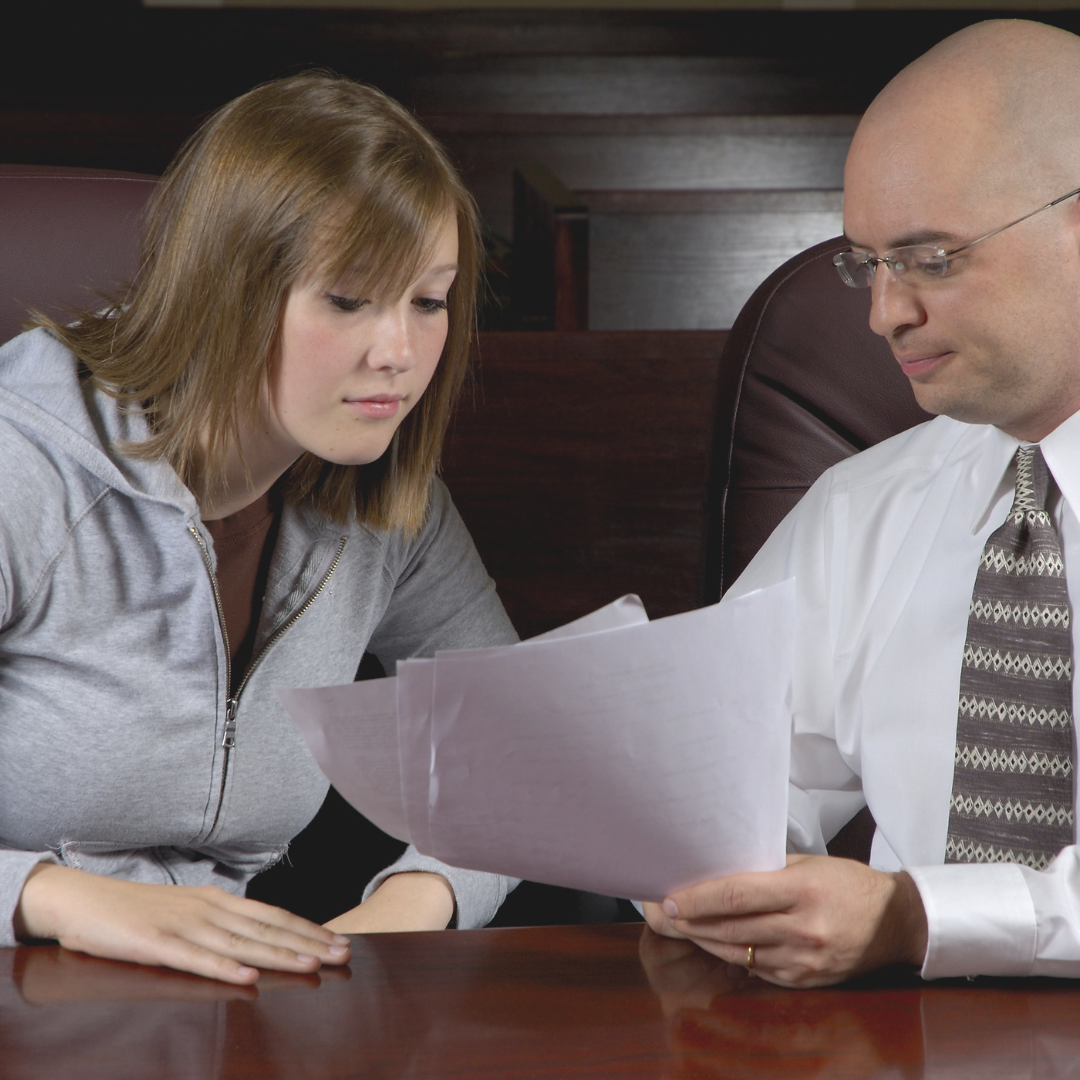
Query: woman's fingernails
[[670, 910], [338, 950], [341, 939], [303, 958]]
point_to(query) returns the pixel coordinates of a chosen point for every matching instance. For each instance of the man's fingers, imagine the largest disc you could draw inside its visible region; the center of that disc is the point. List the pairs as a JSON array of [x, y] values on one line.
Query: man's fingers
[[736, 895], [758, 930], [818, 921], [658, 922]]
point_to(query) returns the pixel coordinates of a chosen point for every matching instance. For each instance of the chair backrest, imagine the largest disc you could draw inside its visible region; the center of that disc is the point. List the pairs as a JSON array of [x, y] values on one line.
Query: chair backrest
[[804, 383], [66, 236]]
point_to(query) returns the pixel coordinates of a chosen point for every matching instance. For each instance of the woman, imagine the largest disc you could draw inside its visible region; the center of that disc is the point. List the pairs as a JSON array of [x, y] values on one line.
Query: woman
[[223, 484]]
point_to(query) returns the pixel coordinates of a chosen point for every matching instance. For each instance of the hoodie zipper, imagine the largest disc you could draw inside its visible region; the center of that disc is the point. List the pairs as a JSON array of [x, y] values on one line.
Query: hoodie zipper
[[228, 739]]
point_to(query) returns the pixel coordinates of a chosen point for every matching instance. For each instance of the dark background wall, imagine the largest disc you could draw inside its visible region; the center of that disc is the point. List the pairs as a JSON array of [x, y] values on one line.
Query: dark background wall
[[113, 84]]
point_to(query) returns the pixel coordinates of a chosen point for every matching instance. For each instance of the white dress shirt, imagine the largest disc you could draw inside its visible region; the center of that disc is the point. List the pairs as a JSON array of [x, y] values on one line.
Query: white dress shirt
[[884, 549]]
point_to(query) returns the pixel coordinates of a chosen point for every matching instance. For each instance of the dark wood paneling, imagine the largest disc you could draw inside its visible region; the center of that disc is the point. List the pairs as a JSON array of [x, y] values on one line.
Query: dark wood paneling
[[676, 153], [579, 463], [637, 85], [120, 85], [655, 265]]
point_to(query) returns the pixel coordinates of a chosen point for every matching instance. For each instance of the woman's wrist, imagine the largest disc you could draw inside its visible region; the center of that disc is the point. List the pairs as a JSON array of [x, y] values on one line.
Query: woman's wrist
[[36, 914], [412, 900]]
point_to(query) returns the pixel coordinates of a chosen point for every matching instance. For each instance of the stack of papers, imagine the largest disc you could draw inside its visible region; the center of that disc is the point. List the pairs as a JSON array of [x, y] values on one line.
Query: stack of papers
[[617, 755]]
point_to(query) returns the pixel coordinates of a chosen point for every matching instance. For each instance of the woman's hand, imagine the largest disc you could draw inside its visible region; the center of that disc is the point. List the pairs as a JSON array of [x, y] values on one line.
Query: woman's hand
[[202, 930], [412, 901]]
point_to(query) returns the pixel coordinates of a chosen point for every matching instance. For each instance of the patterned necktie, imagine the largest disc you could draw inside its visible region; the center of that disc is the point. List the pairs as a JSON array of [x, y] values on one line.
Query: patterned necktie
[[1012, 796]]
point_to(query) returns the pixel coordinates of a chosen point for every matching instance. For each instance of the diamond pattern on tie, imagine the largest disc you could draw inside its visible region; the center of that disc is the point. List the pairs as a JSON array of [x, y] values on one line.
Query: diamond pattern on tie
[[970, 851], [1012, 811], [1023, 664], [1011, 712], [1011, 761], [1012, 798], [997, 611]]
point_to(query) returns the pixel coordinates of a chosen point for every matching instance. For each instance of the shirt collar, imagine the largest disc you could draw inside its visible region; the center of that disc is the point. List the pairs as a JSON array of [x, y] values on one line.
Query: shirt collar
[[992, 474], [1061, 450]]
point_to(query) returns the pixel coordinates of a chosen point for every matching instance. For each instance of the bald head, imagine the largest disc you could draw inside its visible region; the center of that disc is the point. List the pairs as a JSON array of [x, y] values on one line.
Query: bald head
[[998, 103], [979, 132]]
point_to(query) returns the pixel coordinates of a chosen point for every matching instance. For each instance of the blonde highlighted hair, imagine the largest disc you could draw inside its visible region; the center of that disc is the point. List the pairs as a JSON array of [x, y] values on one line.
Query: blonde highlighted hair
[[312, 174]]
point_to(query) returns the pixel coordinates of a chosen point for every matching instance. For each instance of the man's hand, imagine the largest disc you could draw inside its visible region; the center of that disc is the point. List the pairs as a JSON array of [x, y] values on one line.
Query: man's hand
[[412, 901], [818, 921], [202, 930]]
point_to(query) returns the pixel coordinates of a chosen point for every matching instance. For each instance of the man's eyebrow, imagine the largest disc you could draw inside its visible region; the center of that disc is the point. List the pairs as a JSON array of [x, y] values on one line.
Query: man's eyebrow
[[927, 236]]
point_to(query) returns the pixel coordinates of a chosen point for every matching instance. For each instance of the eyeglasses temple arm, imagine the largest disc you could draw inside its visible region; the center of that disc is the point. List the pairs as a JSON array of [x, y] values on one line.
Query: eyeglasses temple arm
[[1039, 210]]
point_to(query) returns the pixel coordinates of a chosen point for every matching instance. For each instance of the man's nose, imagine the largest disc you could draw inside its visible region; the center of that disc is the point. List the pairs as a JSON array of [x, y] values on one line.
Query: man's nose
[[894, 306]]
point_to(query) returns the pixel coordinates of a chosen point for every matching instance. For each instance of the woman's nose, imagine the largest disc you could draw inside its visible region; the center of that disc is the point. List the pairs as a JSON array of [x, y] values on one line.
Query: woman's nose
[[393, 345]]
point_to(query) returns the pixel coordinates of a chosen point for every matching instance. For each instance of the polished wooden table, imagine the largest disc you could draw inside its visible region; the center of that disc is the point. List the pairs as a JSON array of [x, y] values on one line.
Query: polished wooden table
[[581, 1001]]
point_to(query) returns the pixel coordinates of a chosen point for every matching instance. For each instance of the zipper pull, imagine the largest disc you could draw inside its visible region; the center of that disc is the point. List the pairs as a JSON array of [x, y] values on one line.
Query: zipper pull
[[228, 740]]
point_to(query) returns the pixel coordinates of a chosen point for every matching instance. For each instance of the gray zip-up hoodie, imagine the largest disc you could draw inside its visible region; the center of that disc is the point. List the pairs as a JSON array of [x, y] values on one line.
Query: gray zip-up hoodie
[[119, 753]]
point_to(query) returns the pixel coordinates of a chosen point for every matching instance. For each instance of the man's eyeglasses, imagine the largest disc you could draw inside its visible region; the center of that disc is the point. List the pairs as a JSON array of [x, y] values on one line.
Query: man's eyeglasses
[[918, 264]]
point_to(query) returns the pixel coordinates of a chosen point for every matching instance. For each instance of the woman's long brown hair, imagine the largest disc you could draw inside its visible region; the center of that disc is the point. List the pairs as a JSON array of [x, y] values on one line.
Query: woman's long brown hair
[[310, 174]]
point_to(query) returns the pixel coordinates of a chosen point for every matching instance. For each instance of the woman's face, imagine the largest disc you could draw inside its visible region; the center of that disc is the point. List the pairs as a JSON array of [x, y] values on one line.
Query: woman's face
[[350, 367]]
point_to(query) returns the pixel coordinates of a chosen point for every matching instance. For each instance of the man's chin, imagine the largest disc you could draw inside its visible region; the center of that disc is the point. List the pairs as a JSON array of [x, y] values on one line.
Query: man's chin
[[940, 400]]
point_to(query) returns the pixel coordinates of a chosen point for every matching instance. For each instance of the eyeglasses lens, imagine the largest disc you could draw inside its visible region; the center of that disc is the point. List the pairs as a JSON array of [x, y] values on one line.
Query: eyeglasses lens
[[912, 264], [855, 269]]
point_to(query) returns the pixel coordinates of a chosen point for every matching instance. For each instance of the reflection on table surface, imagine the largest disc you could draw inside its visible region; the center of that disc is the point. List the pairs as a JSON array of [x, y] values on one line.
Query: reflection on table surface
[[596, 1001]]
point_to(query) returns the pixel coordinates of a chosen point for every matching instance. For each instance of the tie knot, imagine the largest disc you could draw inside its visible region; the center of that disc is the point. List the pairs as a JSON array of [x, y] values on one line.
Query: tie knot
[[1032, 480]]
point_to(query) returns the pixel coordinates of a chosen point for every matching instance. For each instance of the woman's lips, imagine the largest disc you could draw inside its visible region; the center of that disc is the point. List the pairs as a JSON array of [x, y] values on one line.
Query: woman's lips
[[377, 406]]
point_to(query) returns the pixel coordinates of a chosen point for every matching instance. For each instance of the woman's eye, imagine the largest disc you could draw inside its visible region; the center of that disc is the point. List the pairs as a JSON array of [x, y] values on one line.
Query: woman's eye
[[345, 303], [428, 305]]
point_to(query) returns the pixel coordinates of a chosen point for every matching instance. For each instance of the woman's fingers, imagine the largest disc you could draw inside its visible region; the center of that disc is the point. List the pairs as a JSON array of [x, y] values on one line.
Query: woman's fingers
[[201, 930], [249, 920], [255, 935]]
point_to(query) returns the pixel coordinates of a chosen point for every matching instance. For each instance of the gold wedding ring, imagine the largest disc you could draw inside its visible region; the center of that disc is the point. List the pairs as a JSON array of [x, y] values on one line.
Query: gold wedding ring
[[749, 957]]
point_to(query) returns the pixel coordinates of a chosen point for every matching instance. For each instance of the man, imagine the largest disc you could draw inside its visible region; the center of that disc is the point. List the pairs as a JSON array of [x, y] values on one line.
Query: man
[[969, 163]]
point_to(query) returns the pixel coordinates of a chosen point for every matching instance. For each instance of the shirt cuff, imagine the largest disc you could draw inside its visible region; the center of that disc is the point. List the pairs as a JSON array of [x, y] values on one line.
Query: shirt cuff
[[980, 919], [477, 895]]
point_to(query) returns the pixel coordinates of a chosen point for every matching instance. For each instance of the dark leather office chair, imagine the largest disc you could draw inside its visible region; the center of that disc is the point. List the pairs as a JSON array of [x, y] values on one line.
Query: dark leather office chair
[[805, 383], [66, 236]]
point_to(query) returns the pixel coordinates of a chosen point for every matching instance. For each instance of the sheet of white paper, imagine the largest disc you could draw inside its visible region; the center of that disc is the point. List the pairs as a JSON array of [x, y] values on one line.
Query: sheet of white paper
[[415, 686], [628, 610], [383, 768], [352, 733], [630, 763]]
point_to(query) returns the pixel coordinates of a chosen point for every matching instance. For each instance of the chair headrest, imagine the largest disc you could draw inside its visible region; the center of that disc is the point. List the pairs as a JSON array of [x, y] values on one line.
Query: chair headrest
[[804, 383]]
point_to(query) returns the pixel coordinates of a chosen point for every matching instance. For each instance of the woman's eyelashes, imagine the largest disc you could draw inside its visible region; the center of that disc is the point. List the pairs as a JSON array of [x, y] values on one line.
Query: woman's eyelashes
[[426, 305], [429, 305], [345, 303]]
